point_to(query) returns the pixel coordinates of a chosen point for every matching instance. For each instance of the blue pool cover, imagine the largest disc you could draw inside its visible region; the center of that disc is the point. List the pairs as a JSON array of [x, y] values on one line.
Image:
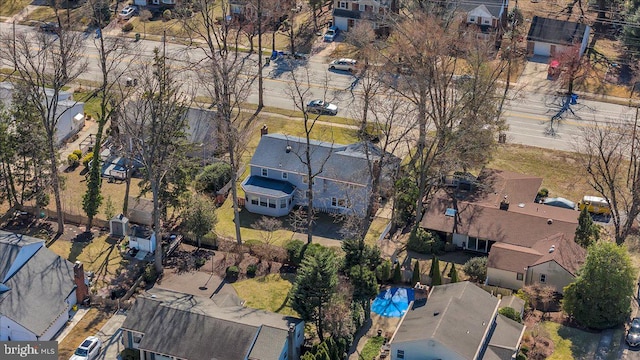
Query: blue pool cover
[[392, 302]]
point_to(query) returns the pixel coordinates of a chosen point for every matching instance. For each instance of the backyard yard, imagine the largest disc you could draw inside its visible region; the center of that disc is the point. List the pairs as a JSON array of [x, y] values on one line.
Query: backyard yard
[[269, 292]]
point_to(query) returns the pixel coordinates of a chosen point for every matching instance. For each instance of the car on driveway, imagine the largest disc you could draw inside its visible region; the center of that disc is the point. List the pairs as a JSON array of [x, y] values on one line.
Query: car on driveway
[[343, 64], [322, 107], [128, 12], [88, 350], [633, 334], [331, 34]]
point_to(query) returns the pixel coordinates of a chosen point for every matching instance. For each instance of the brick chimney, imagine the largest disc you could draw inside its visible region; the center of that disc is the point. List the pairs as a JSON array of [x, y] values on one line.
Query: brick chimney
[[291, 342], [264, 130], [82, 291]]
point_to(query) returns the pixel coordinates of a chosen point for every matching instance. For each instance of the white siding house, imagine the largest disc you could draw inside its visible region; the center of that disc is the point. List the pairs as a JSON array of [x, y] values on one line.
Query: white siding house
[[548, 37]]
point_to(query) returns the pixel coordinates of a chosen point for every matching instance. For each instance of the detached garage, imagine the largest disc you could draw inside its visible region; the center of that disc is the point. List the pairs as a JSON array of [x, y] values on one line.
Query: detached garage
[[550, 36]]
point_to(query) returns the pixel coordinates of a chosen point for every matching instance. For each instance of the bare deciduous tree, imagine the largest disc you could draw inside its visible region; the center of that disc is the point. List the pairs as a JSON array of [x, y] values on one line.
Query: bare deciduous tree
[[267, 226], [226, 75]]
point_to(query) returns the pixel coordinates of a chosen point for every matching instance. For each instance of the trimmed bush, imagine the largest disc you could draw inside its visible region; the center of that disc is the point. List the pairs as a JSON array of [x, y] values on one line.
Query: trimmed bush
[[251, 270], [78, 153], [476, 268], [150, 274], [415, 278], [127, 27], [166, 15], [86, 159], [200, 262], [511, 313], [424, 242], [213, 177], [294, 251], [232, 272], [397, 275], [73, 160], [383, 271]]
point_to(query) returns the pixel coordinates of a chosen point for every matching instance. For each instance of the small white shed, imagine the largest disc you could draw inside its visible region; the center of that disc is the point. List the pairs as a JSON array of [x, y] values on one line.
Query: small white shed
[[119, 226], [142, 238]]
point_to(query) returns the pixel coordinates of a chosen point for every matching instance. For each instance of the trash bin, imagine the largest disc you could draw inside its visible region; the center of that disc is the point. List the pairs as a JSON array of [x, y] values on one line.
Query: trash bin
[[574, 99], [137, 36], [267, 61], [502, 138]]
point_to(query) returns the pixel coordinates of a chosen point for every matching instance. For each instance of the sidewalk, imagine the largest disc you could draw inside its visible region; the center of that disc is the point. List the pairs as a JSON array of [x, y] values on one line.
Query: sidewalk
[[71, 324]]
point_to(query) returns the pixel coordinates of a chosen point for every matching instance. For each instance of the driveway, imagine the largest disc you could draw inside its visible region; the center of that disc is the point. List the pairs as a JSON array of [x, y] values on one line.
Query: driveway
[[534, 77], [111, 335]]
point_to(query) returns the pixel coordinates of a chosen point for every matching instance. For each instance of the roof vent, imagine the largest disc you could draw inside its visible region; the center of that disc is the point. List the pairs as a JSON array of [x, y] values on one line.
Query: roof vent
[[436, 313], [288, 149], [552, 249], [549, 221], [504, 204], [521, 205]]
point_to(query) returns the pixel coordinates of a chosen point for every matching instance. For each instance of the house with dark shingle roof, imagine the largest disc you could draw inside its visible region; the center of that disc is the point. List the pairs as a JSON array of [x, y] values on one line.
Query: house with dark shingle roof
[[37, 289], [278, 178], [459, 321], [500, 213], [484, 13], [548, 37], [164, 324], [348, 13]]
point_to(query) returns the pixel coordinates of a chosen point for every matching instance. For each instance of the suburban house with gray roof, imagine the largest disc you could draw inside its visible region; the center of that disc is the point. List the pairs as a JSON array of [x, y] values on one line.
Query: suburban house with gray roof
[[278, 178], [487, 14], [37, 289], [548, 37], [348, 13], [164, 324], [497, 212], [459, 321]]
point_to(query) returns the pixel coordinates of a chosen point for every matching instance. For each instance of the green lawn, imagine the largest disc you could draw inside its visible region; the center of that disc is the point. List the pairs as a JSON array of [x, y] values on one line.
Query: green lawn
[[371, 348], [570, 343], [375, 230], [267, 292], [91, 102]]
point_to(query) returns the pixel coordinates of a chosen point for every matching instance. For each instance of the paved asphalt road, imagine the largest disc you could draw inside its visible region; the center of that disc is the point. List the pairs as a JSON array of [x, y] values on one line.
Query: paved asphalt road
[[528, 114]]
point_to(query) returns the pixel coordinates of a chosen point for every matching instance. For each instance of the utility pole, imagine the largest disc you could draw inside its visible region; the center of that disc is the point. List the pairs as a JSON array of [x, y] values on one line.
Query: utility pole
[[15, 57], [260, 79]]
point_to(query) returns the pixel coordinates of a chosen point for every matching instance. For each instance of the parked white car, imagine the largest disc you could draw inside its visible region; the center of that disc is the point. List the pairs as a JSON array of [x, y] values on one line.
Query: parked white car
[[88, 350], [128, 12], [322, 107], [343, 64]]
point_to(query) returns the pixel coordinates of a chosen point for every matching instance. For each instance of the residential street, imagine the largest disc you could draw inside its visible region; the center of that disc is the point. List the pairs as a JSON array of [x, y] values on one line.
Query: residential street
[[528, 114]]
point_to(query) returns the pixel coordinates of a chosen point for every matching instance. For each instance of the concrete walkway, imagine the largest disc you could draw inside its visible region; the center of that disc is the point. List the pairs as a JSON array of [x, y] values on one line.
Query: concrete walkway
[[111, 335], [79, 314]]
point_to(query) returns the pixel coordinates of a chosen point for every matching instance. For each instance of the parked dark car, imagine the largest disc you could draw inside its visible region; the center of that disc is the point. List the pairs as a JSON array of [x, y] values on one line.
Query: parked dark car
[[633, 334], [49, 27]]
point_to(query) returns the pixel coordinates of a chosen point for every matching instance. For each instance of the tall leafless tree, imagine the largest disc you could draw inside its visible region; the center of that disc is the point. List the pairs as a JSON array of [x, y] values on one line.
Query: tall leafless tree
[[225, 75], [46, 64]]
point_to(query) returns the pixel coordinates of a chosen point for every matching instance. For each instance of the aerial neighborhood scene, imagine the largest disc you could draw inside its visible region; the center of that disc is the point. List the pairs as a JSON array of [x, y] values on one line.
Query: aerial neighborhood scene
[[319, 180]]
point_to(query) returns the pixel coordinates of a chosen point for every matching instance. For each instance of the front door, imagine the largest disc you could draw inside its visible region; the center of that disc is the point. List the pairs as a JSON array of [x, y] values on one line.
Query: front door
[[479, 20], [552, 50]]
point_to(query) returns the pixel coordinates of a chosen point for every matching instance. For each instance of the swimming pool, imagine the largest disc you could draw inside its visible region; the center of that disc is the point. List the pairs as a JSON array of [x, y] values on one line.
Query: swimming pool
[[392, 302]]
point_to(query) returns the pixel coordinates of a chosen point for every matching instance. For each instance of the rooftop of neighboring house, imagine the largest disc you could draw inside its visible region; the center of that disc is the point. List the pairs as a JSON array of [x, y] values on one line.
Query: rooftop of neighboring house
[[494, 7], [460, 310], [556, 31], [34, 282], [346, 163], [201, 329], [559, 248], [478, 213]]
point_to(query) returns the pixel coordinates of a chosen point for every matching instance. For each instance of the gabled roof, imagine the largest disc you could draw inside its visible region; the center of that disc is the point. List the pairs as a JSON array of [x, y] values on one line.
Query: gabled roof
[[565, 253], [200, 329], [556, 31], [269, 344], [452, 312], [504, 340], [349, 14], [494, 7], [478, 213], [346, 163], [39, 283]]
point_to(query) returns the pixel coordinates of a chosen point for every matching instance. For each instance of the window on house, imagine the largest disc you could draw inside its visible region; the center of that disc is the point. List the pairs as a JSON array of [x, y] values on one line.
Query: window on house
[[283, 203], [473, 243], [519, 276], [362, 7], [305, 179], [400, 354], [335, 202], [472, 19], [543, 278], [272, 203], [342, 5], [265, 172], [285, 175], [254, 200], [137, 339], [487, 22], [263, 202]]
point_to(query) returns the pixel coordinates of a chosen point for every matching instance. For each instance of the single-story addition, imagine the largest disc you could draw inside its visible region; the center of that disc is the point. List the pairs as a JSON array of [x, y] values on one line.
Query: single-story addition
[[278, 178], [548, 37], [37, 289], [70, 113], [500, 210], [169, 325], [459, 321], [552, 261]]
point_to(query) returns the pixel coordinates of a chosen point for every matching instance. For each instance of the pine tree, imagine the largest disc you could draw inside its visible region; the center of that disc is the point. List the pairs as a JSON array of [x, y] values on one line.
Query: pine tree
[[587, 231], [436, 278], [453, 274], [416, 273], [397, 276]]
